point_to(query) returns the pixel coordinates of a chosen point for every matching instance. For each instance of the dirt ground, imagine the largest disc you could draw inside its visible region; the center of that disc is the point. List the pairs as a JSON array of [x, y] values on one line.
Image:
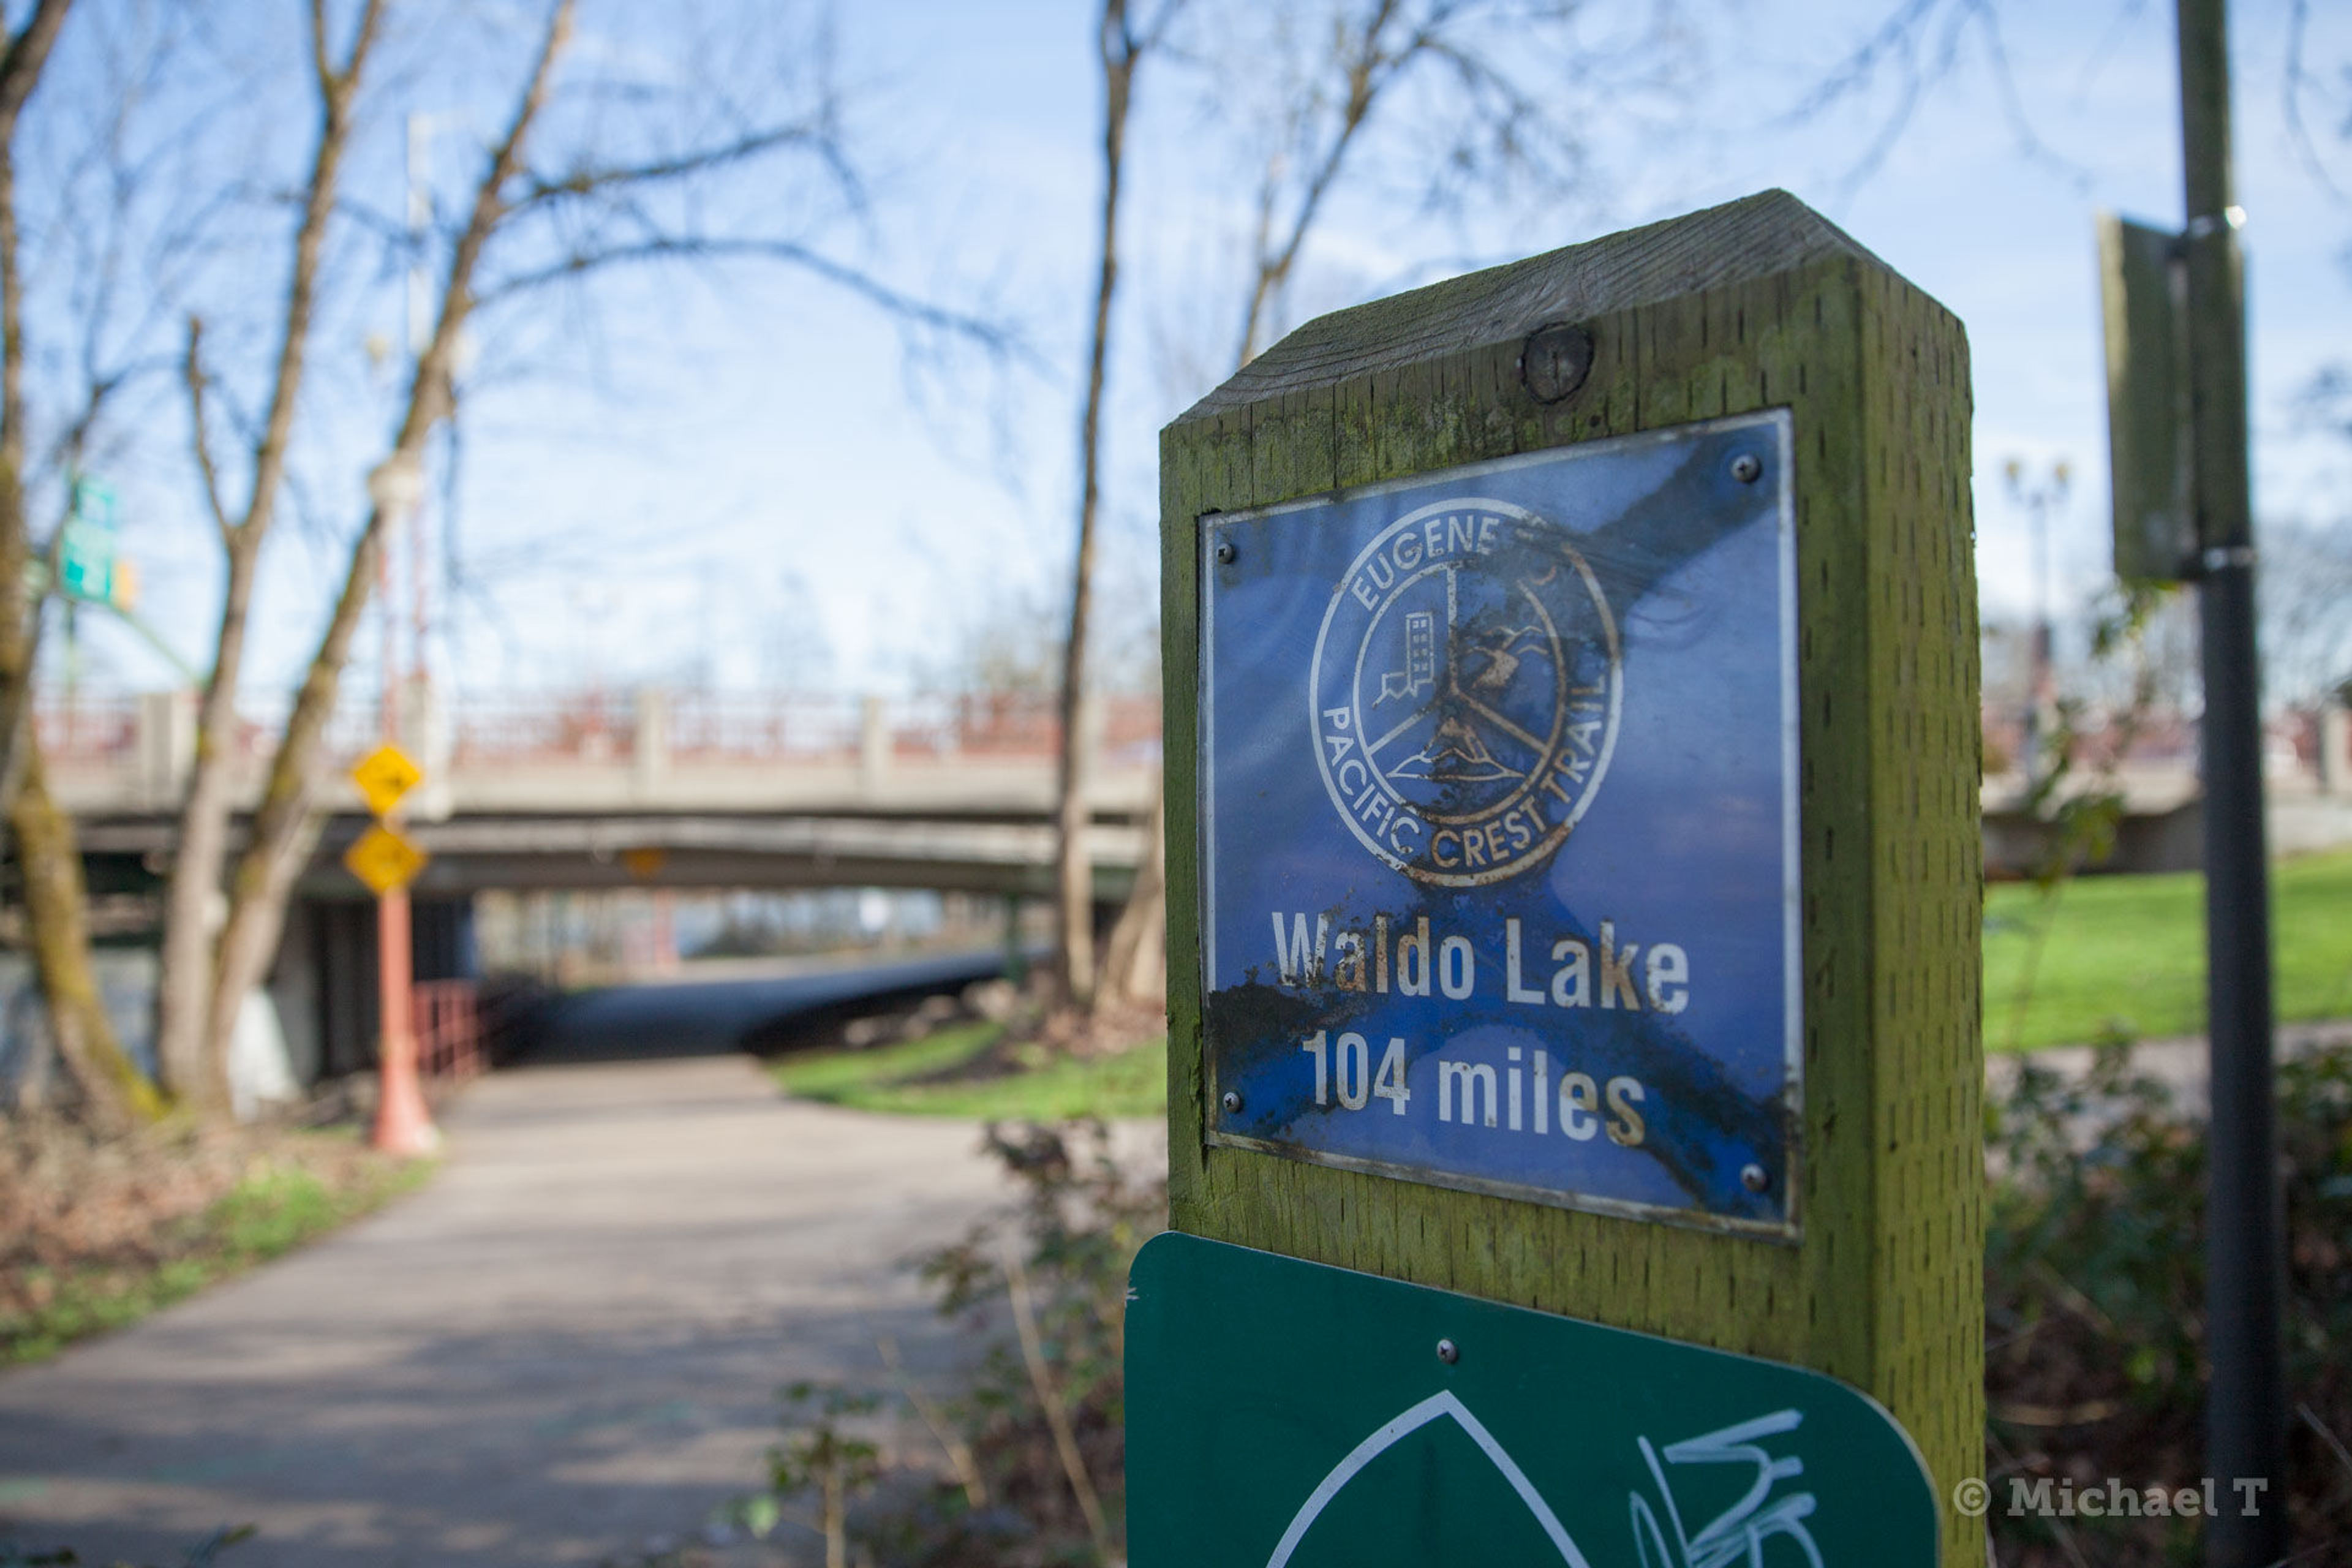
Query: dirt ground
[[104, 1215]]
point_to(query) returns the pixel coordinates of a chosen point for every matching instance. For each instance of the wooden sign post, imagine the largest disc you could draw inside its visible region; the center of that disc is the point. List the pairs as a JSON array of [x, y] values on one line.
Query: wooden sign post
[[1581, 656]]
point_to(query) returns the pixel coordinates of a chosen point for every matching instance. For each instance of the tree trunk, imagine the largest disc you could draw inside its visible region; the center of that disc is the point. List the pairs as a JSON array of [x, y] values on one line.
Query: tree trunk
[[113, 1092], [191, 1049], [20, 71], [1136, 966], [192, 890], [1073, 872], [56, 902], [285, 824], [1135, 960]]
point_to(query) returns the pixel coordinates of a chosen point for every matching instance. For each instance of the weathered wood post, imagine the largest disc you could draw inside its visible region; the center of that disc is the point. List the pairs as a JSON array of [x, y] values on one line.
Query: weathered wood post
[[1573, 896]]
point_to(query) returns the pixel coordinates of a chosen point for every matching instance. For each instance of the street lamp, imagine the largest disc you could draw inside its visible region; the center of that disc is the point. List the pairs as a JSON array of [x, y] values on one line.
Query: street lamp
[[2039, 497]]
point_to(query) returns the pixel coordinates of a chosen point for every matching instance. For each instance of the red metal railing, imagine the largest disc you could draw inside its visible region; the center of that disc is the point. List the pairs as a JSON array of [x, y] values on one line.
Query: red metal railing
[[750, 726], [589, 726], [447, 1018], [601, 727], [89, 729]]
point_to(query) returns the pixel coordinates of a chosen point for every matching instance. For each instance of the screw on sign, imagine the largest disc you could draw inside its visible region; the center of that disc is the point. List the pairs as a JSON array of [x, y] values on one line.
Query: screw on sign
[[383, 859], [385, 776]]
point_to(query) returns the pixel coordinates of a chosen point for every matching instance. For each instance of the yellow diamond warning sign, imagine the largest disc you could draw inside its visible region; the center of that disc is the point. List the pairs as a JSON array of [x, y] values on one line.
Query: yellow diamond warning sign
[[384, 775], [383, 859]]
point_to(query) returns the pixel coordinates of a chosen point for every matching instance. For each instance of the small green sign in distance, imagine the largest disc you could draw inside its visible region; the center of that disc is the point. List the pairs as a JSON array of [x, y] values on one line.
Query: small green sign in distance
[[1283, 1414], [2142, 310], [87, 559]]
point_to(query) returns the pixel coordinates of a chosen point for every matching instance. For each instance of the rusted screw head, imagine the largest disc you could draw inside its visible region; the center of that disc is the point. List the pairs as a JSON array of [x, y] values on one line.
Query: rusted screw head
[[1225, 553], [1754, 1179], [1448, 1351], [1747, 467], [1233, 1101], [1554, 360]]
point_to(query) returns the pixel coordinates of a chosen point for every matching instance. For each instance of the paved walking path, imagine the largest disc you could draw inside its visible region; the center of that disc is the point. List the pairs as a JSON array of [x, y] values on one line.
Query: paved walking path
[[566, 1345], [2183, 1064]]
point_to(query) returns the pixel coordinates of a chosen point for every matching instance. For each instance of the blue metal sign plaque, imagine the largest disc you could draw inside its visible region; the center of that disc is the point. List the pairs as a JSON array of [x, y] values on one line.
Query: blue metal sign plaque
[[1281, 1414], [1498, 827]]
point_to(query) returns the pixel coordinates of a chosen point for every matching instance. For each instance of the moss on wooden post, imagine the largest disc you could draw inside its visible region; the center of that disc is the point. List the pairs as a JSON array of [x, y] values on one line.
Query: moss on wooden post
[[1757, 305]]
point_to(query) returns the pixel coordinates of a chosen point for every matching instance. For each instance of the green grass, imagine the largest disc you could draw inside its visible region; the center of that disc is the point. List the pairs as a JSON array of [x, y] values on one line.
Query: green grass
[[891, 1079], [270, 1212], [2128, 954], [2121, 953]]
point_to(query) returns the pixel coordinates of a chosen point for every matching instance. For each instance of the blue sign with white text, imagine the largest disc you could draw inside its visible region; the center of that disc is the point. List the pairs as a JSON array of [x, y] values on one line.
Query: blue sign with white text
[[1498, 827]]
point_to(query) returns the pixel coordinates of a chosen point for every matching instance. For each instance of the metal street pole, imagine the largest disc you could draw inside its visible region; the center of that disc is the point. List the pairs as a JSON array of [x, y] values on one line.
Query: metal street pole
[[2245, 1257], [2040, 498], [420, 332]]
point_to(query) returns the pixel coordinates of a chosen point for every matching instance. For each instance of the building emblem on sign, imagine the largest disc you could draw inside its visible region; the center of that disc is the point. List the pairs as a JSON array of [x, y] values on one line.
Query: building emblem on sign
[[1465, 689]]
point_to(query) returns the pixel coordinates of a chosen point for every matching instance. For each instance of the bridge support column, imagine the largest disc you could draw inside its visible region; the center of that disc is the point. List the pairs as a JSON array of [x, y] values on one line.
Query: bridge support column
[[430, 737], [649, 754], [167, 746], [873, 744]]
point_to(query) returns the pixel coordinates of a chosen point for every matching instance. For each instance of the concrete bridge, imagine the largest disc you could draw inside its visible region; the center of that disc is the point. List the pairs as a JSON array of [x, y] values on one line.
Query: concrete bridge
[[653, 788], [647, 789]]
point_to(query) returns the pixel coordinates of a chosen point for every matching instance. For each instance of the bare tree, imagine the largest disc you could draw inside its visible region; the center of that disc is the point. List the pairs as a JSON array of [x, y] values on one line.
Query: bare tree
[[1330, 76], [532, 223], [1490, 123], [199, 1077], [20, 71], [112, 1089], [2307, 612], [286, 824], [1122, 48]]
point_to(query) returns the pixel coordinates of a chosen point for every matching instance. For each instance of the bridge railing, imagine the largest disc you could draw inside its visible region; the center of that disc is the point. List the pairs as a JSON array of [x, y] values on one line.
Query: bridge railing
[[583, 726], [89, 729], [131, 752], [733, 726]]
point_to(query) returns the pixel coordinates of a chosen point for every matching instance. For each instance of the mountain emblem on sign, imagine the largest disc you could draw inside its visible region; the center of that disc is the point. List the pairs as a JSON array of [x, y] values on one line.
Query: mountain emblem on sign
[[1465, 689]]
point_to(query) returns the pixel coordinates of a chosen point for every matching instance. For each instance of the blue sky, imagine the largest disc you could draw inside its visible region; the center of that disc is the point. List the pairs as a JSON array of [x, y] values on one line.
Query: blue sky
[[748, 476]]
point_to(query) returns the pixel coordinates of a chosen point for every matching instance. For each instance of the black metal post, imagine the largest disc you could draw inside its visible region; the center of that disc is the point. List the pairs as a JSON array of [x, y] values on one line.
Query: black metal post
[[2245, 1226]]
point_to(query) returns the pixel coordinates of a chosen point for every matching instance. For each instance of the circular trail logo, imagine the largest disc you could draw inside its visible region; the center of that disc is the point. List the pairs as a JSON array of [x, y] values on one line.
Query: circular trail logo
[[1466, 690]]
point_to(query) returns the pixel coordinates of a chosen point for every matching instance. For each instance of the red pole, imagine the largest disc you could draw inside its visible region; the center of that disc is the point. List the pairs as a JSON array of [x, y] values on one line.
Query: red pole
[[402, 1124]]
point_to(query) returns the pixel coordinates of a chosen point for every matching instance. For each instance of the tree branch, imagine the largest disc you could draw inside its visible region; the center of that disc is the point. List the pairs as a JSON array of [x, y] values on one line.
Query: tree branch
[[429, 392], [582, 182], [988, 335], [20, 66], [336, 91], [322, 66], [2306, 151], [193, 371]]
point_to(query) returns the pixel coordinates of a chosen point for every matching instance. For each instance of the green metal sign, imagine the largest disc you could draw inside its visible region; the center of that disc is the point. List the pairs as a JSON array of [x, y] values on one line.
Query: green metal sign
[[1287, 1414], [2142, 284], [88, 561]]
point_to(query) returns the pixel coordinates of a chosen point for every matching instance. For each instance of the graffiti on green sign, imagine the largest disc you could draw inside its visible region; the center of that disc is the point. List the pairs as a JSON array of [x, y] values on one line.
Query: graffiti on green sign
[[1737, 1534], [1463, 1430]]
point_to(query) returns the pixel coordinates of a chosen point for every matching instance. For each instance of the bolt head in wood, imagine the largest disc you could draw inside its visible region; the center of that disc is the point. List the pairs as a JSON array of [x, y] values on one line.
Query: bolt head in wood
[[1554, 360]]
